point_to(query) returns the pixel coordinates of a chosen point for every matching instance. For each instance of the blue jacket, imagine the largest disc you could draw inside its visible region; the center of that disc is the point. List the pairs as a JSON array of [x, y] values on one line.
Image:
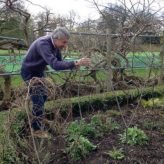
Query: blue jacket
[[41, 53]]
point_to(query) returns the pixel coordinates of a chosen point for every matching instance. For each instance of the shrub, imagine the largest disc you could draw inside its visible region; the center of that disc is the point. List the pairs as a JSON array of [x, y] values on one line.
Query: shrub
[[103, 123], [79, 148], [134, 136], [82, 128]]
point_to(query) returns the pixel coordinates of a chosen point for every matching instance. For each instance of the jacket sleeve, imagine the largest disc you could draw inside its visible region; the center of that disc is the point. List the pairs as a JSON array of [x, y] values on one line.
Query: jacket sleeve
[[44, 49]]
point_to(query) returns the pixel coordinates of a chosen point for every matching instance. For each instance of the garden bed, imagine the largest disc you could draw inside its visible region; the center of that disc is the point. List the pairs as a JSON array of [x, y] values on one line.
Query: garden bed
[[151, 122], [102, 128]]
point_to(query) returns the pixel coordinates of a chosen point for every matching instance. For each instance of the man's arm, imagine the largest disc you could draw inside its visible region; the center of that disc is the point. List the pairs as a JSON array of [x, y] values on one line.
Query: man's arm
[[44, 50]]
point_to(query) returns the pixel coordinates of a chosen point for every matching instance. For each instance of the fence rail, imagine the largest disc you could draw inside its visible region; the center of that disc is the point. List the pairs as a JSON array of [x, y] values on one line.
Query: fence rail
[[105, 34], [83, 70]]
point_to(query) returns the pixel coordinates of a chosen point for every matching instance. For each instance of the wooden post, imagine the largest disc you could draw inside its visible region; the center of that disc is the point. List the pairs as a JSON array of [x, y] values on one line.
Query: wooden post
[[7, 88], [109, 60], [162, 60]]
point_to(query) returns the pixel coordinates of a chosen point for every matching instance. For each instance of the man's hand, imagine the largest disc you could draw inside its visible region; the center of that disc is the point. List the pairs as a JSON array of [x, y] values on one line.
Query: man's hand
[[83, 62]]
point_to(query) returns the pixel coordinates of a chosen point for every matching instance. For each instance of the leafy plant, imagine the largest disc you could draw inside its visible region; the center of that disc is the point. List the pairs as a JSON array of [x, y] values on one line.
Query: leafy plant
[[82, 128], [103, 123], [116, 154], [96, 120], [154, 102], [74, 128], [96, 128], [134, 136], [9, 155], [17, 126], [112, 125], [78, 145], [79, 148]]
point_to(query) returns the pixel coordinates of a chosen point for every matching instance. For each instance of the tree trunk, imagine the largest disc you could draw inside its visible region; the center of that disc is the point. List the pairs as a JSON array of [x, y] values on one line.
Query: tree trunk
[[109, 61], [162, 60]]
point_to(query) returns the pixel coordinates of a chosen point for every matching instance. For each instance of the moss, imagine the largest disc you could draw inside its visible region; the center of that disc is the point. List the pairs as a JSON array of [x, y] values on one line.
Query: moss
[[104, 101]]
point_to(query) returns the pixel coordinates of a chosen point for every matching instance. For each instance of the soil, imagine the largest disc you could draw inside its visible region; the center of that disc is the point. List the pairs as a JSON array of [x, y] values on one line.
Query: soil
[[151, 121]]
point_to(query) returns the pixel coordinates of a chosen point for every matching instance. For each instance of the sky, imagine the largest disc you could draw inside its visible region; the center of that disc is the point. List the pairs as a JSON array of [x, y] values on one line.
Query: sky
[[83, 8]]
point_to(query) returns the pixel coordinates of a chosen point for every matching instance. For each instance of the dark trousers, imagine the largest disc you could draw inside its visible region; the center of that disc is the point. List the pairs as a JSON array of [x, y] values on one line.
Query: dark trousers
[[38, 97]]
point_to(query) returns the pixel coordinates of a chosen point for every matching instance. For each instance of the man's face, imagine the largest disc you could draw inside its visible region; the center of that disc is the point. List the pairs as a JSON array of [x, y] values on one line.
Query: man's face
[[61, 43]]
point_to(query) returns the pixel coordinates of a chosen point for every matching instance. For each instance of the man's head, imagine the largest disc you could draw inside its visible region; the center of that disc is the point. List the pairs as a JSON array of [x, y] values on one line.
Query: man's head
[[60, 37]]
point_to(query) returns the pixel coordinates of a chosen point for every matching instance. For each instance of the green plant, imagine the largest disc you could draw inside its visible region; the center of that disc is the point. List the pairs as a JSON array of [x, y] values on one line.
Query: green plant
[[116, 154], [74, 128], [111, 125], [18, 123], [9, 155], [82, 128], [89, 131], [113, 113], [96, 120], [134, 136], [154, 102], [103, 123], [79, 147]]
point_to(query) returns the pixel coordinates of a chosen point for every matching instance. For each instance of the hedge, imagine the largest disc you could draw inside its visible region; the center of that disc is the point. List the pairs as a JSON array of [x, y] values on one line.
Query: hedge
[[104, 101]]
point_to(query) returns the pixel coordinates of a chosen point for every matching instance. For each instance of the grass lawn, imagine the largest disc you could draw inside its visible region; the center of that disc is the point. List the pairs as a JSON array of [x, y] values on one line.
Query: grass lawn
[[143, 72], [16, 81], [60, 77]]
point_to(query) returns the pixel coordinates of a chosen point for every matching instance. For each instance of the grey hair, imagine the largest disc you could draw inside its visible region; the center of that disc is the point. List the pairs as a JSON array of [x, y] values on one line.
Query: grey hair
[[60, 33]]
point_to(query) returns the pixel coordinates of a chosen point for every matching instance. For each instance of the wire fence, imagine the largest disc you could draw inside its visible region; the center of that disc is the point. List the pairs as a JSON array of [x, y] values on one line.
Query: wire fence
[[84, 44], [127, 56]]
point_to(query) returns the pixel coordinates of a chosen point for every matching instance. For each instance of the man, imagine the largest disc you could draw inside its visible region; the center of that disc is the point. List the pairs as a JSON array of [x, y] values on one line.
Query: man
[[45, 51]]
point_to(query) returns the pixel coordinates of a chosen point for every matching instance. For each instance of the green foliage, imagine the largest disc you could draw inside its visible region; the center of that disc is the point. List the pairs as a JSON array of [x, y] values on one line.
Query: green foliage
[[79, 147], [17, 126], [9, 155], [153, 102], [134, 136], [89, 131], [103, 123], [116, 154], [96, 120], [82, 128], [7, 149], [3, 116], [17, 82], [13, 23], [73, 128], [98, 125]]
